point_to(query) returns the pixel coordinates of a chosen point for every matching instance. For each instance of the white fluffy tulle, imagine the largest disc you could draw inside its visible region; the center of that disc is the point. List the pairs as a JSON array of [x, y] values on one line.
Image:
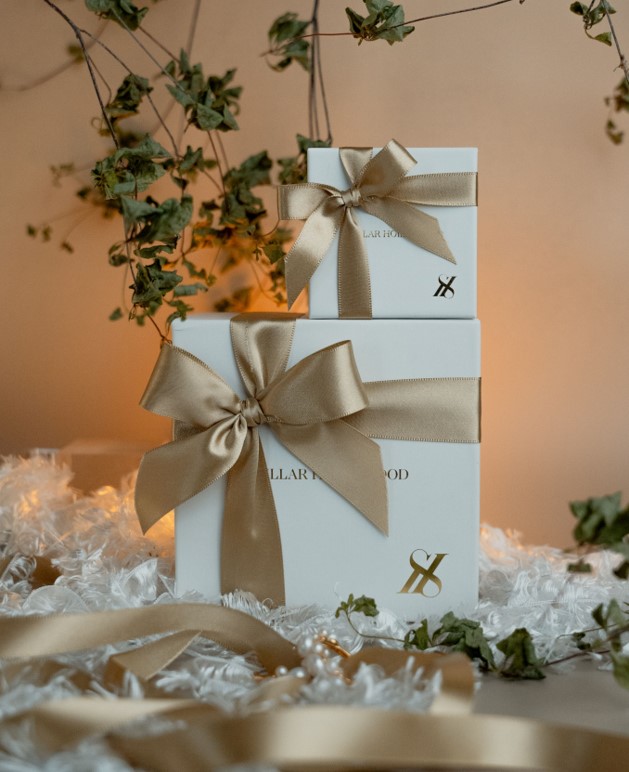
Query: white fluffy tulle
[[105, 562]]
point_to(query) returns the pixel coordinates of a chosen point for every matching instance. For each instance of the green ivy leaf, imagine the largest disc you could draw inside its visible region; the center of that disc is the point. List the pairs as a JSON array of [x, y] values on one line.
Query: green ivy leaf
[[614, 133], [185, 290], [622, 570], [293, 168], [274, 251], [209, 103], [237, 302], [592, 15], [385, 21], [253, 171], [620, 666], [115, 314], [134, 210], [579, 641], [157, 251], [580, 567], [152, 282], [166, 221], [579, 8], [181, 311], [521, 660], [286, 44], [465, 635], [206, 118], [360, 605], [117, 258], [128, 97], [194, 161], [123, 12], [602, 521], [604, 37], [610, 616], [418, 638], [366, 606], [130, 170]]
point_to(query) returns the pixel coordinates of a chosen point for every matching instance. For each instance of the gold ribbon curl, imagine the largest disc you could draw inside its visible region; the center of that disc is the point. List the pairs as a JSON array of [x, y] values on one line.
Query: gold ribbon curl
[[319, 409], [380, 188]]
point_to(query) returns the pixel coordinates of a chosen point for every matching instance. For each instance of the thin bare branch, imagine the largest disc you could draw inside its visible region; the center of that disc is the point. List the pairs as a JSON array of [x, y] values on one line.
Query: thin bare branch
[[88, 61], [623, 61], [415, 21], [158, 43], [454, 13]]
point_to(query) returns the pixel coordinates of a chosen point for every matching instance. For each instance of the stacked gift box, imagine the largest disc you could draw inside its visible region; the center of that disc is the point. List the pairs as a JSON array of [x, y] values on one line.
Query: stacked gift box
[[335, 454]]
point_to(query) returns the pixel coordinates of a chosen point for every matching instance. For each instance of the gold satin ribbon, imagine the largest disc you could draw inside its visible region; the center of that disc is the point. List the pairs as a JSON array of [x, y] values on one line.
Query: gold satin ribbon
[[327, 737], [319, 409], [339, 737], [379, 186], [37, 636], [62, 723], [45, 636]]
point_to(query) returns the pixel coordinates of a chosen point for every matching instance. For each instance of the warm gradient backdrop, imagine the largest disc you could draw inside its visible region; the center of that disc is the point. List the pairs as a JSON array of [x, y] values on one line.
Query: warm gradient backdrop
[[521, 82]]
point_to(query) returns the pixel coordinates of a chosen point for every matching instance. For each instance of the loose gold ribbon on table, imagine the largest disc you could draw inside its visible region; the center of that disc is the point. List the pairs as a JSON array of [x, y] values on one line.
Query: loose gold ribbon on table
[[319, 409], [61, 723], [323, 736], [380, 188]]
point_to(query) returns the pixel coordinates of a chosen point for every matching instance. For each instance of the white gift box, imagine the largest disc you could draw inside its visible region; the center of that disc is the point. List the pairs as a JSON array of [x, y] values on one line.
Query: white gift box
[[329, 548], [406, 280]]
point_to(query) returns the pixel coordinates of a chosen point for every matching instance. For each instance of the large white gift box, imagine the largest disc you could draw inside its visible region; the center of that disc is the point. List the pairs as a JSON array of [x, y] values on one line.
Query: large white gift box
[[407, 281], [427, 564]]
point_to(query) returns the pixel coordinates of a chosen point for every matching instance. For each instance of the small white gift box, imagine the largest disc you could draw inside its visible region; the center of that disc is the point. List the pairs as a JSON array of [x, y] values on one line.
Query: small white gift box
[[406, 280]]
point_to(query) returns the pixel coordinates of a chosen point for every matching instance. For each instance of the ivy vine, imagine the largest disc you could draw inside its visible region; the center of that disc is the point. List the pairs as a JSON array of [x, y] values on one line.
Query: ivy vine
[[175, 246]]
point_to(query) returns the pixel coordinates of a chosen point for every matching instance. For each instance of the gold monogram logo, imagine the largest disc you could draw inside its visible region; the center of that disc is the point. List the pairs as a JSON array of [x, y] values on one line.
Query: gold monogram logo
[[422, 575]]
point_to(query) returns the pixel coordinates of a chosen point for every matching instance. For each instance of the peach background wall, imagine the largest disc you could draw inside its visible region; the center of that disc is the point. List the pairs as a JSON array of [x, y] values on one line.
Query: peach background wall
[[521, 82]]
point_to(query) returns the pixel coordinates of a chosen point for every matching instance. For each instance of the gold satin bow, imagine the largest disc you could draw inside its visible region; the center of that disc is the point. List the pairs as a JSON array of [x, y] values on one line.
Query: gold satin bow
[[319, 409], [218, 433], [379, 187]]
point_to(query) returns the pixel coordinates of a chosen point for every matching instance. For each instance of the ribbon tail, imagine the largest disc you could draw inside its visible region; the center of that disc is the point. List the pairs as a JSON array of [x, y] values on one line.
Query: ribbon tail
[[354, 284], [346, 460], [416, 226], [174, 473], [251, 548], [311, 246]]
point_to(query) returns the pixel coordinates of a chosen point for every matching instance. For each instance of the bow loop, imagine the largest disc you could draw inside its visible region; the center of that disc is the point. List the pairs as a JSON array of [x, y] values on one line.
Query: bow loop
[[381, 174], [320, 388]]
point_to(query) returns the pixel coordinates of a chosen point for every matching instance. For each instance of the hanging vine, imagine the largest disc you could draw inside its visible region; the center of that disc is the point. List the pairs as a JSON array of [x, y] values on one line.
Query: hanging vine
[[213, 218]]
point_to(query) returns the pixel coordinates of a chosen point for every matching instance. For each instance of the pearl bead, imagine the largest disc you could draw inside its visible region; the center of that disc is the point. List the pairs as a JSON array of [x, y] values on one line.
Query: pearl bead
[[318, 665], [282, 670], [318, 648], [299, 672], [306, 645]]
